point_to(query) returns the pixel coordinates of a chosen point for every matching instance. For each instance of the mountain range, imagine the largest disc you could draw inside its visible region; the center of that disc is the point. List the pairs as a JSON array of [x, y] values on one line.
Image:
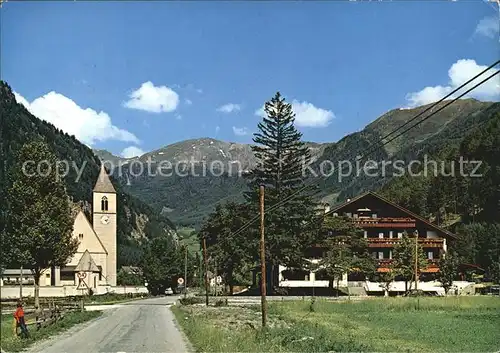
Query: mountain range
[[187, 199]]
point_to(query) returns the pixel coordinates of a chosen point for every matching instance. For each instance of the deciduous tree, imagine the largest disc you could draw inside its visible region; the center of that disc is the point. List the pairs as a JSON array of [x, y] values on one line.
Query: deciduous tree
[[39, 227], [346, 250], [448, 270], [404, 258], [232, 252]]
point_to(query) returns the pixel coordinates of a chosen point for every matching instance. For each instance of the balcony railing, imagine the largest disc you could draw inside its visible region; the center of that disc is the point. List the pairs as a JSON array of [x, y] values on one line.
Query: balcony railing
[[384, 222], [386, 262], [391, 242]]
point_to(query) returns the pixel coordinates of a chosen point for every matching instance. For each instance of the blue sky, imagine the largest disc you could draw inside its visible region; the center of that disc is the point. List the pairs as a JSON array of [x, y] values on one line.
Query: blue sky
[[342, 64]]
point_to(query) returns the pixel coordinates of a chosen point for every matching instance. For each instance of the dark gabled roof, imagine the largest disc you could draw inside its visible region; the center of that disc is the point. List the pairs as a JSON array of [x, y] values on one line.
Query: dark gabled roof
[[103, 184], [383, 199]]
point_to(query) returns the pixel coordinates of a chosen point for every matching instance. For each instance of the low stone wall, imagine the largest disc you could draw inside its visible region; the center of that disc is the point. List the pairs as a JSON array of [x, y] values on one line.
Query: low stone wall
[[12, 292]]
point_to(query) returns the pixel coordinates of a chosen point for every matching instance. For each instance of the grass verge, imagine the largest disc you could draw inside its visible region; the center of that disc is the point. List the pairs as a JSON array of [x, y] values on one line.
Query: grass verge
[[12, 343], [458, 324]]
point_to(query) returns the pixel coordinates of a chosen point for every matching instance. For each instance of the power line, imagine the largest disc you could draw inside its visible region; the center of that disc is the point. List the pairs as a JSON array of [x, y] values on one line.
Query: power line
[[441, 100], [308, 184]]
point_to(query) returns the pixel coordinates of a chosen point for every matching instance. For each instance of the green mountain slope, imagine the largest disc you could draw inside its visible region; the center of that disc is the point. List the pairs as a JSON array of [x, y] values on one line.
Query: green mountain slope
[[188, 199], [137, 222]]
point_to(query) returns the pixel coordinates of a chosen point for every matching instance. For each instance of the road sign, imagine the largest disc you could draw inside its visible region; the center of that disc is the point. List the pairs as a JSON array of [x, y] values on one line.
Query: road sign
[[82, 285], [82, 275], [180, 280]]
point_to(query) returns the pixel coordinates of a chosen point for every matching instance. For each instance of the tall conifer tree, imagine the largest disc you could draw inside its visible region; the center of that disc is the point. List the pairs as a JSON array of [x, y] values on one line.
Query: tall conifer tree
[[282, 159]]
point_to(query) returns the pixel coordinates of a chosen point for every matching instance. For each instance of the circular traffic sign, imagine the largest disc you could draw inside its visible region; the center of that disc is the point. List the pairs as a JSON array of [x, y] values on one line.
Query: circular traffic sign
[[82, 275], [180, 280]]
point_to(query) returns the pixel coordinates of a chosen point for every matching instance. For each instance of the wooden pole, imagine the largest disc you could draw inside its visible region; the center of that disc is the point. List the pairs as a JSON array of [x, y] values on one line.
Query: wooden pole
[[185, 270], [262, 259], [416, 259], [215, 276], [21, 285], [206, 269]]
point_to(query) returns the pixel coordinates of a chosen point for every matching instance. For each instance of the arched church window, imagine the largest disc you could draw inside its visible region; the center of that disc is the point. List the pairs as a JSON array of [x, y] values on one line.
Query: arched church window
[[104, 203]]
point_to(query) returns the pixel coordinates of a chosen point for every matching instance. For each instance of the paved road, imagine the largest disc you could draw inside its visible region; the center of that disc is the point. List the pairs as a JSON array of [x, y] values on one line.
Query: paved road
[[139, 326]]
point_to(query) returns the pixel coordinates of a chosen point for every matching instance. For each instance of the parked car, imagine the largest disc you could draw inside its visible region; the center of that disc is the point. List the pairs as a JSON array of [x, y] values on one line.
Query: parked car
[[169, 291]]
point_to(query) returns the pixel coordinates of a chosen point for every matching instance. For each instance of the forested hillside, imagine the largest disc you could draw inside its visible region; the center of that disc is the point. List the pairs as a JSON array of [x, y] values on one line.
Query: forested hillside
[[137, 222], [469, 204], [187, 200]]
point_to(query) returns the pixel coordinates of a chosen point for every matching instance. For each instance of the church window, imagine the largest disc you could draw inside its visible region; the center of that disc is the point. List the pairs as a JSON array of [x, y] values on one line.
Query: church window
[[104, 203], [80, 236]]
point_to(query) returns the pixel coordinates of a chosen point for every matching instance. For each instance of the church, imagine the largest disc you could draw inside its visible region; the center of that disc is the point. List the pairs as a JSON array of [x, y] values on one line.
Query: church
[[93, 266], [96, 254]]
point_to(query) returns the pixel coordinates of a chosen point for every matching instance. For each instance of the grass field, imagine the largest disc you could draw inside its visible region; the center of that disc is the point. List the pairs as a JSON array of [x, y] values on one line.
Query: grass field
[[455, 324], [10, 343]]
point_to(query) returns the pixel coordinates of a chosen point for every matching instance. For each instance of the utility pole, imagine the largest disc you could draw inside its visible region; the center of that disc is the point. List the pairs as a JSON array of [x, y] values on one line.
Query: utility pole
[[416, 259], [185, 269], [262, 259], [215, 276], [206, 268], [21, 284]]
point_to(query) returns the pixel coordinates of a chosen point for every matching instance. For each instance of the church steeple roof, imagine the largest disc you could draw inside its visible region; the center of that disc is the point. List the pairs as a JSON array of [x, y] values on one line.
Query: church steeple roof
[[103, 184]]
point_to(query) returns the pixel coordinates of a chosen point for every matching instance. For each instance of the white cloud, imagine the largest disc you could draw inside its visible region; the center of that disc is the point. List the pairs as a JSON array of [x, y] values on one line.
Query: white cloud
[[217, 129], [229, 108], [488, 27], [178, 116], [132, 151], [460, 72], [86, 124], [188, 101], [153, 99], [307, 115], [240, 131]]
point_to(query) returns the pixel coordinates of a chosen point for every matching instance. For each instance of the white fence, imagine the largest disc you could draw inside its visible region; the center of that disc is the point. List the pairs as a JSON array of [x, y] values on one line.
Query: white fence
[[12, 292]]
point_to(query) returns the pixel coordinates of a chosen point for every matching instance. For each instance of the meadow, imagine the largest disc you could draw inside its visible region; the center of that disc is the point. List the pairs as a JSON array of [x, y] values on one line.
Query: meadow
[[451, 324]]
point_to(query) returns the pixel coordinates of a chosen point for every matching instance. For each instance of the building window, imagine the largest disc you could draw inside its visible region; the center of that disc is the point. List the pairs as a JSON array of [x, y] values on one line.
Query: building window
[[430, 255], [104, 203], [381, 255], [400, 235], [80, 236], [381, 235], [349, 214], [374, 215], [67, 276]]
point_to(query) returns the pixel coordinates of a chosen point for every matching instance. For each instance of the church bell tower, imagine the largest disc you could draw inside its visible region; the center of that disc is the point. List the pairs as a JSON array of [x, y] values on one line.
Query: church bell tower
[[104, 221]]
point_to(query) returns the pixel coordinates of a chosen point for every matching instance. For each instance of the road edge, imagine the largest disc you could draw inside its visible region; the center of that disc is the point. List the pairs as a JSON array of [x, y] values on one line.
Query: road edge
[[187, 342], [38, 346]]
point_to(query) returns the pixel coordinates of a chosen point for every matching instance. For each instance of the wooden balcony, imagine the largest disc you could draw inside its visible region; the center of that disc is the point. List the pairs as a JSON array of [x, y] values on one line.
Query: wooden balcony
[[391, 242], [384, 265], [387, 262], [384, 222]]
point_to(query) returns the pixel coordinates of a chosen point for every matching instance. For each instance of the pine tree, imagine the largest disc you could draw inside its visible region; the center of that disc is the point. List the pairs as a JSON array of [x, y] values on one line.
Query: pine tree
[[282, 159], [39, 226]]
